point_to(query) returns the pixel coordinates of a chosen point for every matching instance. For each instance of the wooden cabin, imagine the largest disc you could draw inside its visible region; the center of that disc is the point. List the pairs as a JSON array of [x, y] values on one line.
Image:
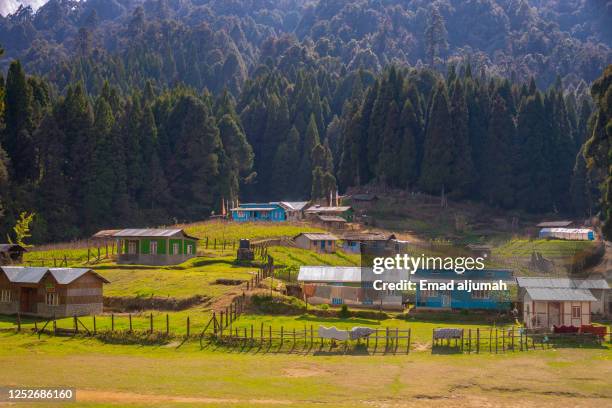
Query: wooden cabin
[[313, 212], [48, 292], [154, 246], [11, 254], [315, 241], [549, 302]]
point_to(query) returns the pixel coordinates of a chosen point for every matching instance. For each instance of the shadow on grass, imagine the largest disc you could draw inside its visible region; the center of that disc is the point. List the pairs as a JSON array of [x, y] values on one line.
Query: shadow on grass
[[329, 320]]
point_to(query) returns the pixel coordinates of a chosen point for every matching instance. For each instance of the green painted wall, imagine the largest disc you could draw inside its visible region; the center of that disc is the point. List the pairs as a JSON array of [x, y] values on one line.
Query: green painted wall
[[145, 246], [180, 248]]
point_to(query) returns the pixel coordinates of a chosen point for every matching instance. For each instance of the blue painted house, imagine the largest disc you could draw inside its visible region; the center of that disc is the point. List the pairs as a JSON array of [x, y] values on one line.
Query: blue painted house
[[259, 212], [480, 296]]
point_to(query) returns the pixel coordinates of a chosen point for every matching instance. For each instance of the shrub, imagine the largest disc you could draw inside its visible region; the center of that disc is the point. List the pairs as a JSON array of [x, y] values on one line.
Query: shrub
[[344, 312]]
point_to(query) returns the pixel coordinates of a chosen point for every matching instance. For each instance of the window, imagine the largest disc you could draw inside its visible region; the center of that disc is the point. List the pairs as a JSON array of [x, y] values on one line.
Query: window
[[336, 301], [429, 293], [153, 248], [5, 296], [189, 249], [576, 312], [480, 294], [52, 299], [175, 249], [132, 247]]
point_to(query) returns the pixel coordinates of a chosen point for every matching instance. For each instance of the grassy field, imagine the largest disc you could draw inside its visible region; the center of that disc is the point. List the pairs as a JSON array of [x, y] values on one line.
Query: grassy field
[[109, 375], [233, 231]]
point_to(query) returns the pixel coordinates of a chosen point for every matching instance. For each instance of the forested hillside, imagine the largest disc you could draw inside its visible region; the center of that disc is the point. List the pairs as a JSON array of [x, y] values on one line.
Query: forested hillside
[[130, 113]]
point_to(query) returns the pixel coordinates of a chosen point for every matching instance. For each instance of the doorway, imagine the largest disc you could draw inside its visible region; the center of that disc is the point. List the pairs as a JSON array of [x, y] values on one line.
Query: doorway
[[554, 314], [27, 300]]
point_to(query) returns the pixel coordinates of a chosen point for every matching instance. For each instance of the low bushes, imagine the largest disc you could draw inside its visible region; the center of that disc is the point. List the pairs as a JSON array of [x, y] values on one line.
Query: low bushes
[[134, 337]]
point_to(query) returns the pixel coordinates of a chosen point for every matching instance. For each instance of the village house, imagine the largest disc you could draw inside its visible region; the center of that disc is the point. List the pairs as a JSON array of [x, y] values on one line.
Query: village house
[[459, 298], [364, 200], [48, 292], [159, 246], [259, 212], [331, 221], [345, 212], [549, 302], [353, 242], [316, 241], [294, 210], [11, 254], [349, 285]]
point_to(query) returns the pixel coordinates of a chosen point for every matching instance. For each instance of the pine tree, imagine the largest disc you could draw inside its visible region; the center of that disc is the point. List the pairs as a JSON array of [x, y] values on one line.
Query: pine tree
[[462, 166], [409, 154], [497, 178], [436, 168], [311, 139], [17, 139], [435, 35], [389, 162]]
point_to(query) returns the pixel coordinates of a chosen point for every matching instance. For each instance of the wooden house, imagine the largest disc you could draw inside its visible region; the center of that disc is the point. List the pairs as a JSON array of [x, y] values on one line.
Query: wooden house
[[331, 221], [313, 212], [259, 212], [349, 285], [316, 241], [48, 292], [294, 210], [11, 254], [154, 246], [549, 302], [353, 242], [364, 200], [462, 298]]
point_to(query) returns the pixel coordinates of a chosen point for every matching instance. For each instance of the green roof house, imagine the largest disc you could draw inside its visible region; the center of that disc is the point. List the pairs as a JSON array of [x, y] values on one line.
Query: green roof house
[[154, 246]]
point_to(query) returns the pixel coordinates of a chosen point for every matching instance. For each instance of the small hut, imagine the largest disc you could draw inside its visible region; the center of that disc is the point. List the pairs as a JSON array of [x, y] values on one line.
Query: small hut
[[11, 253]]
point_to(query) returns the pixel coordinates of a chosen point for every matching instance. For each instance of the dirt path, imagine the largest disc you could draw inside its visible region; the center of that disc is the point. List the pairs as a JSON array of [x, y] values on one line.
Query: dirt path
[[133, 398]]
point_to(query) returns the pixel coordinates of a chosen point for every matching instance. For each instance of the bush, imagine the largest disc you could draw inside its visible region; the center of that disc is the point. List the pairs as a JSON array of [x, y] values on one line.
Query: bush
[[324, 306], [134, 337], [344, 312]]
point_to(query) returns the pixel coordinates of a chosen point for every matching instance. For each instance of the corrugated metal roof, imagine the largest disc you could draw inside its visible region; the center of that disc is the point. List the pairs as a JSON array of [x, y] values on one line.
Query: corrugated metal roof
[[151, 232], [331, 218], [253, 209], [566, 283], [318, 236], [105, 233], [317, 209], [561, 294], [33, 274], [563, 223], [23, 274], [294, 205], [329, 274], [367, 236]]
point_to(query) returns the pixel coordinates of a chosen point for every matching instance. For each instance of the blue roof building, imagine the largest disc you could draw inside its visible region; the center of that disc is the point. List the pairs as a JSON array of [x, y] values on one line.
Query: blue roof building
[[474, 289]]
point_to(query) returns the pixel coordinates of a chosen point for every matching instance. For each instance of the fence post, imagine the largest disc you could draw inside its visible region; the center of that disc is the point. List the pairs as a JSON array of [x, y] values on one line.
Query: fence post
[[151, 322], [311, 336], [270, 334], [490, 340], [512, 339], [94, 325], [282, 334], [469, 341], [496, 341], [130, 316], [76, 326], [408, 345], [18, 322], [503, 340], [261, 335], [112, 322], [387, 339], [168, 323], [188, 326], [54, 325], [478, 340]]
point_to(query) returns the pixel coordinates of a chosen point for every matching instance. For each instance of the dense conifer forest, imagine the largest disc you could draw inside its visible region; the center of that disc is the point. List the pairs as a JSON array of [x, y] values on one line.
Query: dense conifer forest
[[134, 113]]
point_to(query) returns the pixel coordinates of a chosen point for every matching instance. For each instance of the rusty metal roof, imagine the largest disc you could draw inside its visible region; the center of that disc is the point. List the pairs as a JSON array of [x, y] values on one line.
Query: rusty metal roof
[[559, 224], [367, 236], [105, 233]]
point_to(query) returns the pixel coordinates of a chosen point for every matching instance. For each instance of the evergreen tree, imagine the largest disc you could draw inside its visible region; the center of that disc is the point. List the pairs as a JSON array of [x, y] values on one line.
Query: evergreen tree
[[435, 36], [497, 178], [462, 166], [311, 139], [436, 168]]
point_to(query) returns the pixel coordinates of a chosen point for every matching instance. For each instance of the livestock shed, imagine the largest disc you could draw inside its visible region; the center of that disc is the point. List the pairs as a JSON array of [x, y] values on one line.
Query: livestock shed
[[572, 234], [353, 242], [259, 212], [315, 211], [154, 246], [549, 302], [11, 253], [351, 286], [48, 292], [316, 241], [478, 289]]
